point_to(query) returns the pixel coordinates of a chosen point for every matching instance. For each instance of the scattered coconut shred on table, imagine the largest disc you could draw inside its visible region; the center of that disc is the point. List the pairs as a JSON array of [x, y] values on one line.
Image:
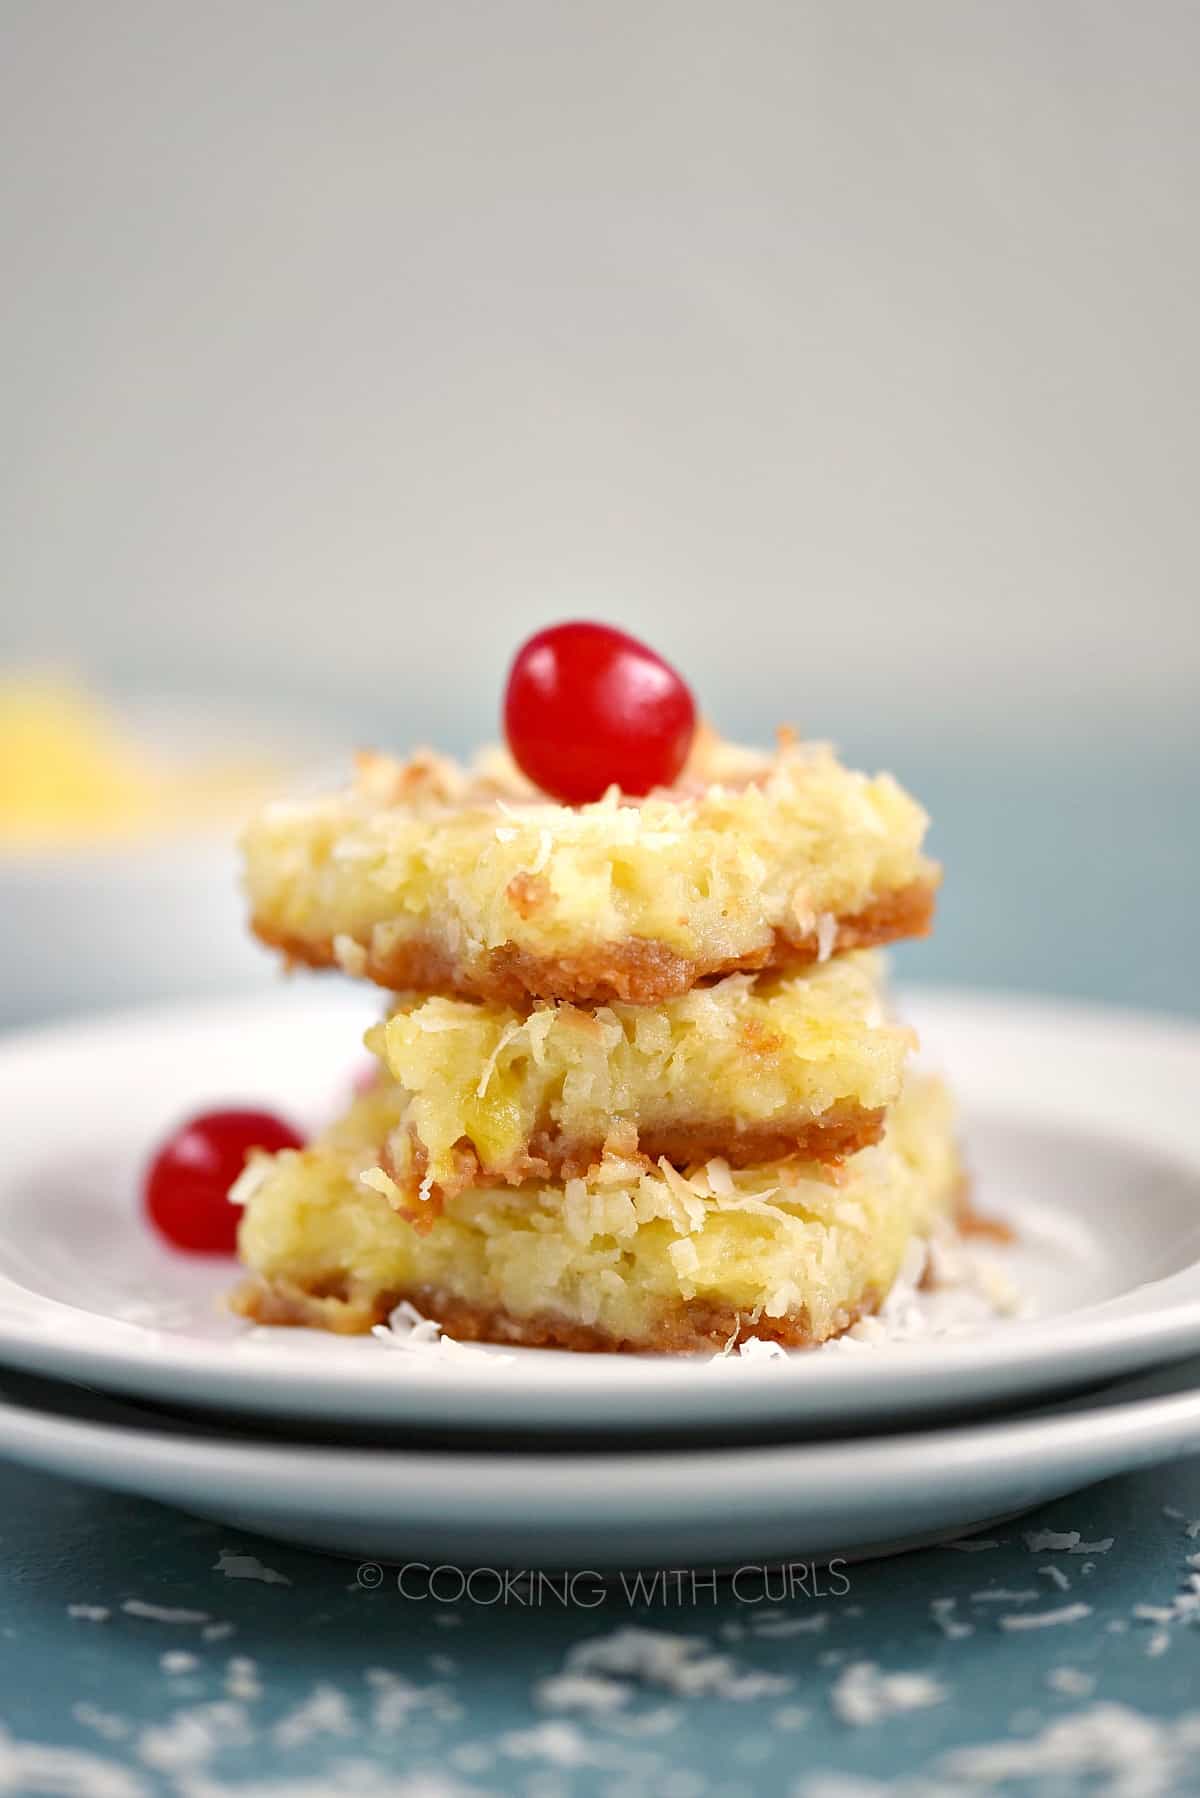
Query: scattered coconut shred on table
[[177, 1661], [684, 1666], [1072, 1682], [235, 1565], [105, 1723], [27, 1767], [942, 1612], [163, 1613], [864, 1694], [1068, 1613], [1040, 1542], [1111, 1747], [241, 1679], [1006, 1595]]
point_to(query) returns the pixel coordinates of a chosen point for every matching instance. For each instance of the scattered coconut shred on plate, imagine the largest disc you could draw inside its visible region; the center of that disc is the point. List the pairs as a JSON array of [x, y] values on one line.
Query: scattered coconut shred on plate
[[970, 1292], [407, 1330]]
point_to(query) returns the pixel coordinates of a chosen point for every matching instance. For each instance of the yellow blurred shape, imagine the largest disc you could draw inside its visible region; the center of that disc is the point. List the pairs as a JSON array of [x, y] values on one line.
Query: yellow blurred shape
[[70, 772]]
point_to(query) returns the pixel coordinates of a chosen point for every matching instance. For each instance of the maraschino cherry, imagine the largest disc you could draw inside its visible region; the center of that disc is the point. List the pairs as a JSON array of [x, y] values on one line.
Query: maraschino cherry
[[188, 1181], [588, 707]]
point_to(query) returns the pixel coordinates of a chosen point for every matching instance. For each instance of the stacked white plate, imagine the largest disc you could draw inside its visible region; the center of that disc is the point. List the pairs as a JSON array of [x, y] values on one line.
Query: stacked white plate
[[1082, 1128]]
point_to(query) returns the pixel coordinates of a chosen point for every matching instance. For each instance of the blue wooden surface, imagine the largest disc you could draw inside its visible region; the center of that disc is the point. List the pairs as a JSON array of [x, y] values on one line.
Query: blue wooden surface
[[446, 1694], [1080, 876]]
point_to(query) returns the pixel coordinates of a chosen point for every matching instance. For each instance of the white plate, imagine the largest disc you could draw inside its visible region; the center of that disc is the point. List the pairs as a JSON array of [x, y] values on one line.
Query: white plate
[[716, 1507], [1084, 1121]]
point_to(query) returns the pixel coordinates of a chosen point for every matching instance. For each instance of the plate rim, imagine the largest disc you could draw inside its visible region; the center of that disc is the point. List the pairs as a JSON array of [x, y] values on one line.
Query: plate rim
[[716, 1470]]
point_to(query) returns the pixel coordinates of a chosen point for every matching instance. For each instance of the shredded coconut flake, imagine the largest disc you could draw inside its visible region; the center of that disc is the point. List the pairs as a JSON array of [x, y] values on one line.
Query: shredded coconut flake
[[191, 1737], [178, 1660], [1040, 1542], [678, 1664], [1067, 1613], [408, 1331], [241, 1678], [773, 1628], [967, 1296], [942, 1611], [720, 1178], [560, 1743], [790, 1716], [1071, 1682], [1064, 1542], [1136, 1756], [684, 1258], [545, 845], [591, 1692], [350, 956], [241, 1566], [864, 1694], [756, 1348], [257, 1171], [105, 1723], [326, 1711], [27, 1767], [162, 1613], [508, 1035]]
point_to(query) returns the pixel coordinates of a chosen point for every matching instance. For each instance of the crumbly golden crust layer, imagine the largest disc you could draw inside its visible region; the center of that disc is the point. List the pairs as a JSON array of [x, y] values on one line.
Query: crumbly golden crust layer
[[421, 1199], [687, 1328], [553, 1157], [632, 972]]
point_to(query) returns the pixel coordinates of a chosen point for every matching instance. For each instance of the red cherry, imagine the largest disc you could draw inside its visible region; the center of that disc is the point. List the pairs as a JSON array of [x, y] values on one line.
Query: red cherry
[[587, 707], [187, 1183]]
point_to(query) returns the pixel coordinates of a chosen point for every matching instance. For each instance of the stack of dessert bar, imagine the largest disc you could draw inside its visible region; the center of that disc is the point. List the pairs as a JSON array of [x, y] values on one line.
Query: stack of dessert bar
[[638, 1087]]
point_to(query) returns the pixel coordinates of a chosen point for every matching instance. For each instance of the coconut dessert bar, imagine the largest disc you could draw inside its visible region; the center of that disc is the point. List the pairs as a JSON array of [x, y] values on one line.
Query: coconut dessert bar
[[751, 1068], [632, 1256], [638, 1085], [428, 877]]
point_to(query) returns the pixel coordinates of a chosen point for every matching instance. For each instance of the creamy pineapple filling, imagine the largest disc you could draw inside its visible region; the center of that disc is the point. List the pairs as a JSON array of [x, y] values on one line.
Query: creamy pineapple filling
[[429, 877], [753, 1068], [629, 1257]]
